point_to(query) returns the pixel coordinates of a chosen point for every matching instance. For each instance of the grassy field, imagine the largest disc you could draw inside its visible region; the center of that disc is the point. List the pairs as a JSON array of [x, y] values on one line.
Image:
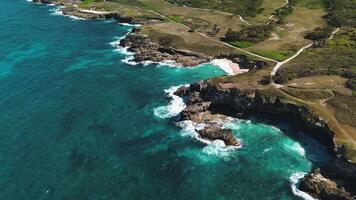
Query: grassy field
[[288, 38], [322, 78]]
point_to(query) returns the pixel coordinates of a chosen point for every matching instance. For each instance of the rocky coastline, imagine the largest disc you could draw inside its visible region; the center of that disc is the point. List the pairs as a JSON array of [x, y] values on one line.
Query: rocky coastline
[[206, 101], [144, 48], [147, 50]]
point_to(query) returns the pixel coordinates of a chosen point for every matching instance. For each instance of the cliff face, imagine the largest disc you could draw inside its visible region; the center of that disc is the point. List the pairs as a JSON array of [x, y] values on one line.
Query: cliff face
[[337, 179], [146, 50], [237, 103]]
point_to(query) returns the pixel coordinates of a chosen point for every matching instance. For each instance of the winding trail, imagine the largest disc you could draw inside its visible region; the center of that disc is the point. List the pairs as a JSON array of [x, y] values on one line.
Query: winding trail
[[274, 70], [333, 34], [243, 20], [204, 35], [221, 12], [279, 64], [273, 13]]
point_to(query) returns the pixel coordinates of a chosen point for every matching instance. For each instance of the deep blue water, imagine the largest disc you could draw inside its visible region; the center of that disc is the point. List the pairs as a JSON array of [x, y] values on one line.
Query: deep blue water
[[76, 122]]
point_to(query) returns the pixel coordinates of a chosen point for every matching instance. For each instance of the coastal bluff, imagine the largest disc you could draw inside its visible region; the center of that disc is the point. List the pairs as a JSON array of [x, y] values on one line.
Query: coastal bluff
[[207, 100]]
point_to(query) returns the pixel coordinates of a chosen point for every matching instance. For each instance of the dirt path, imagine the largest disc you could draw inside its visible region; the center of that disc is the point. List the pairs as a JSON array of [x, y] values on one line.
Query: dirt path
[[202, 34], [333, 34], [221, 12], [271, 17], [279, 64]]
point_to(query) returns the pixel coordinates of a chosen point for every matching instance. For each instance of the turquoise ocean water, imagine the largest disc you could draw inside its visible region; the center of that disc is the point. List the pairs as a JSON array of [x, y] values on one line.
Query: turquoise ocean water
[[76, 122]]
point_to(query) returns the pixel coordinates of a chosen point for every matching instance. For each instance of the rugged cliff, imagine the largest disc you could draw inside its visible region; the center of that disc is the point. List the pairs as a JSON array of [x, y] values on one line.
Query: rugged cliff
[[336, 181]]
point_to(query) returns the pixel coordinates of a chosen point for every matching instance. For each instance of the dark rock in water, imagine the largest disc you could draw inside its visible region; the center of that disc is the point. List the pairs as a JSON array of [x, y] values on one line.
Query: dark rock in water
[[191, 112], [181, 91], [145, 49], [214, 132], [323, 188], [206, 100]]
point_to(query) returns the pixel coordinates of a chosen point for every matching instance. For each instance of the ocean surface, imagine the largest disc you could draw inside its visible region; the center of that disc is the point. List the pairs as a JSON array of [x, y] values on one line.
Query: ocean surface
[[77, 121]]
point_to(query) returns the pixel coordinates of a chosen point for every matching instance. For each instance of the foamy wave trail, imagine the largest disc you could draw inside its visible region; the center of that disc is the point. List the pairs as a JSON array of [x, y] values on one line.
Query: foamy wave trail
[[294, 181], [132, 25], [296, 147], [169, 63], [175, 106], [57, 11], [213, 148], [120, 49]]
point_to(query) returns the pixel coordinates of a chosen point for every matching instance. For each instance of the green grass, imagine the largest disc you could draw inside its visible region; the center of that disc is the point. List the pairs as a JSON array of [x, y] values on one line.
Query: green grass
[[87, 1], [176, 18], [242, 7], [241, 44], [338, 57], [276, 55]]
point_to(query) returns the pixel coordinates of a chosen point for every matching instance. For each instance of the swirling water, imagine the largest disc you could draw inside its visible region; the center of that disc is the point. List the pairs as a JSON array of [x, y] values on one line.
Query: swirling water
[[77, 122]]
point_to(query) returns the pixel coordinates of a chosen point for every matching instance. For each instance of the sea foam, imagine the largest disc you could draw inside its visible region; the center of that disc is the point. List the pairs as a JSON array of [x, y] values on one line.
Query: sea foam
[[175, 106], [57, 11], [214, 148], [294, 181]]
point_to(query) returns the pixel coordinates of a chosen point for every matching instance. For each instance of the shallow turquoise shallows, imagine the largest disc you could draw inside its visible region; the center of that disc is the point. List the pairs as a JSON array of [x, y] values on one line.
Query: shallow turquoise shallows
[[77, 122]]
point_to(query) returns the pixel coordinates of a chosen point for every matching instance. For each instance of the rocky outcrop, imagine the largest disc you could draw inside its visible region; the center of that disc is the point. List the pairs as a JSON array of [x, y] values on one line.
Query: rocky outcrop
[[146, 50], [323, 188], [215, 132], [236, 103], [337, 182]]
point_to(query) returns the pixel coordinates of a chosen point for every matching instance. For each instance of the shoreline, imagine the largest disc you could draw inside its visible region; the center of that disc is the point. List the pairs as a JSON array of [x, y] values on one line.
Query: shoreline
[[177, 57], [224, 62], [205, 98]]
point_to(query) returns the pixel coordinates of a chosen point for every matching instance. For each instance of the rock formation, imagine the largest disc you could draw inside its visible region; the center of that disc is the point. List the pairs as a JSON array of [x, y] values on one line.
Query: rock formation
[[146, 50]]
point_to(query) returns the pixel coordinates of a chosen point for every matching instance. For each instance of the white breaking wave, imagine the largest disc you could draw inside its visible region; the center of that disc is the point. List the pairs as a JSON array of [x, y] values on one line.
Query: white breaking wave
[[224, 65], [175, 106], [120, 49], [127, 24], [294, 180], [57, 11], [215, 148], [297, 148]]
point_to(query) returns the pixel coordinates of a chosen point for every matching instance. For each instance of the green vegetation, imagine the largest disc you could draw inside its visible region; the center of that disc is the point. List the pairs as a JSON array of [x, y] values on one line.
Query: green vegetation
[[338, 57], [241, 44], [241, 7], [283, 12], [252, 34], [319, 34], [341, 12], [308, 94], [276, 55], [88, 1], [176, 18], [346, 106]]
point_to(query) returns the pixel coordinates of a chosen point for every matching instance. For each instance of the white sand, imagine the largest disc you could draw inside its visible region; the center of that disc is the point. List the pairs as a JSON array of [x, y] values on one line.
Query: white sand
[[228, 66]]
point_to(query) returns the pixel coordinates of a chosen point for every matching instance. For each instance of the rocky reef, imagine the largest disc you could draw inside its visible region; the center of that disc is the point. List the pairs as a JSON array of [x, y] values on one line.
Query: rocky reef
[[146, 50], [206, 100]]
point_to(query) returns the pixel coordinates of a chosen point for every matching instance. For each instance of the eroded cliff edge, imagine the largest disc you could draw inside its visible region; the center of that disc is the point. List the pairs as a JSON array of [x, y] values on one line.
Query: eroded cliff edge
[[204, 99]]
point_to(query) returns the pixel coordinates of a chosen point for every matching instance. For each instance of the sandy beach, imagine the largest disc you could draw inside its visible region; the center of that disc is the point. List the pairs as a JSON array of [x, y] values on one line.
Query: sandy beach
[[228, 66]]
